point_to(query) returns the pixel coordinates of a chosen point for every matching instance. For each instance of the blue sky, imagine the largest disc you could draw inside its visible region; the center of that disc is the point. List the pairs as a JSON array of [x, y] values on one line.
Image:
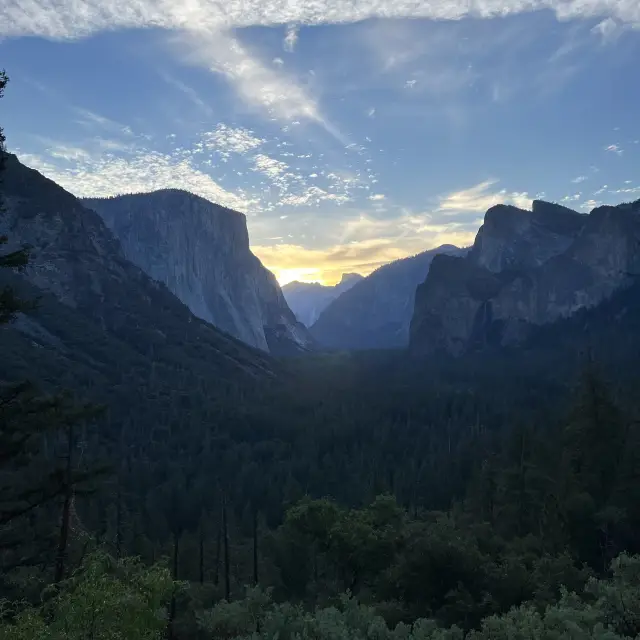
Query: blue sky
[[350, 132]]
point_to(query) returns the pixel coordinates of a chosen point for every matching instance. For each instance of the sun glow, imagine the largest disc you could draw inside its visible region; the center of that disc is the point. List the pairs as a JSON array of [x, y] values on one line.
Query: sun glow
[[284, 276]]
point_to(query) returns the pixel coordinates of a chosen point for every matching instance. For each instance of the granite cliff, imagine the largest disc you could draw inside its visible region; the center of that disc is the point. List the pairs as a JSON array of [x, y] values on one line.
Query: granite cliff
[[376, 312], [526, 268], [200, 250], [309, 299], [98, 310]]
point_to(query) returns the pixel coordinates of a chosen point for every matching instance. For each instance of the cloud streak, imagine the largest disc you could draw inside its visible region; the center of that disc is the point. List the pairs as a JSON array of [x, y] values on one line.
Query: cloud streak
[[190, 93], [481, 197], [77, 18], [290, 39], [257, 84]]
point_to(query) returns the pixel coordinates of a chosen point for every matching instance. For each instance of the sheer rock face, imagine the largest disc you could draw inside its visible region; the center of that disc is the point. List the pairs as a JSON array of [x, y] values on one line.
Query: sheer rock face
[[201, 252], [76, 258], [515, 238], [525, 268], [376, 312], [309, 299]]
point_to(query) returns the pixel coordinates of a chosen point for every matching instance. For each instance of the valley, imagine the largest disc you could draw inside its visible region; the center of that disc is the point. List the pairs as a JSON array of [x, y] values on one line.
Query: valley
[[443, 449]]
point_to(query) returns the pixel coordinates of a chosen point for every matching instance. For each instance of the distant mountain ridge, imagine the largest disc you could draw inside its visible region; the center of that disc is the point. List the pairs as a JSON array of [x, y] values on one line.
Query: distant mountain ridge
[[200, 250], [376, 312], [526, 268], [308, 300]]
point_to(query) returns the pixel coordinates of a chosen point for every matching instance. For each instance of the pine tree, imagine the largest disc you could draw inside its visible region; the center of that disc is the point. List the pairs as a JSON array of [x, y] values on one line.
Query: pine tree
[[595, 442], [29, 479]]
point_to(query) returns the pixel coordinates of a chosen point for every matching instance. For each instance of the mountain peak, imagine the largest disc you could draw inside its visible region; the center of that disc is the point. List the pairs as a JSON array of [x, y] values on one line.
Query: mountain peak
[[376, 312], [95, 301], [201, 251], [525, 269], [172, 195], [348, 278], [512, 237], [309, 299], [544, 206]]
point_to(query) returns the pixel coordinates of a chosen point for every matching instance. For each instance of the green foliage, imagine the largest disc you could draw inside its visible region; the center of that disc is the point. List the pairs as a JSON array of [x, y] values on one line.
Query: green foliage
[[570, 619], [607, 610], [104, 599], [239, 618], [618, 599], [348, 546], [441, 566], [257, 616]]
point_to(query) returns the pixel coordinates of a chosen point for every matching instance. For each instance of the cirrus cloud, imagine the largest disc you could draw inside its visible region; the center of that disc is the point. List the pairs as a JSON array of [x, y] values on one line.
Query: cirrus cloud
[[481, 197], [78, 18]]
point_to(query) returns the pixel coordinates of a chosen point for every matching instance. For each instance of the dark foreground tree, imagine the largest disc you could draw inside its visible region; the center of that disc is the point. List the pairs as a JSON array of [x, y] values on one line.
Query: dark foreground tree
[[34, 428]]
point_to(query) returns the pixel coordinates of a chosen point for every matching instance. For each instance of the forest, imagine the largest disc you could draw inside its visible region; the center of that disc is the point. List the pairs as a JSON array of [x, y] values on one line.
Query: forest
[[341, 496]]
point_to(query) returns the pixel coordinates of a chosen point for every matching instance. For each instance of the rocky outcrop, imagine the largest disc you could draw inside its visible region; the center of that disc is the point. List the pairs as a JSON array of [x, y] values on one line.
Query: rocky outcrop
[[308, 300], [111, 306], [376, 312], [200, 250], [514, 238], [526, 268]]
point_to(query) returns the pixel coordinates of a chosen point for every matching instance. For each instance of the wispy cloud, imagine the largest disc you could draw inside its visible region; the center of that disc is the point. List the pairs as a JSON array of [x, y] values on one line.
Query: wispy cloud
[[191, 94], [626, 190], [70, 152], [259, 85], [92, 120], [69, 19], [481, 197], [313, 195], [291, 38], [226, 140], [65, 152], [608, 29], [207, 33], [614, 148], [271, 167], [263, 175], [579, 179]]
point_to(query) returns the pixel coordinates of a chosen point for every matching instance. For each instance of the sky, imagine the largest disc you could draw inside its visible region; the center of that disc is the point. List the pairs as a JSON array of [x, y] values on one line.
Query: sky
[[350, 132]]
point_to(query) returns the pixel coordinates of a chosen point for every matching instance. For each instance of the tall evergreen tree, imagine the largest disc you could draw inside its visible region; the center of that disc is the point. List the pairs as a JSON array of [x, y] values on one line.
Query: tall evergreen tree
[[29, 424]]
